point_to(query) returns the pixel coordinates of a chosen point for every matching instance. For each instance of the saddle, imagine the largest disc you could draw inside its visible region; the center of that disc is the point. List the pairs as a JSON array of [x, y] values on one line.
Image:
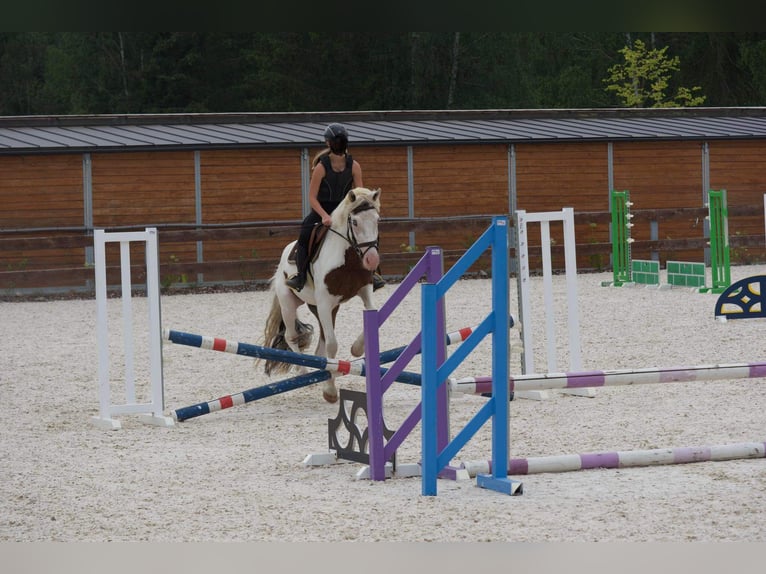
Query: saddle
[[316, 239]]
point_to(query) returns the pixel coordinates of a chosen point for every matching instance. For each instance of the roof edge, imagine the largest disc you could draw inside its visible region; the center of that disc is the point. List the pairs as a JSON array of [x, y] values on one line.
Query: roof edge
[[371, 115]]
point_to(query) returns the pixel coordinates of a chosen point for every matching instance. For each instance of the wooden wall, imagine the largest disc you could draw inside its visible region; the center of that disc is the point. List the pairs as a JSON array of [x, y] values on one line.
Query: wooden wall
[[739, 167], [156, 188], [41, 191], [242, 185], [550, 177], [143, 188], [661, 175], [385, 168], [458, 180]]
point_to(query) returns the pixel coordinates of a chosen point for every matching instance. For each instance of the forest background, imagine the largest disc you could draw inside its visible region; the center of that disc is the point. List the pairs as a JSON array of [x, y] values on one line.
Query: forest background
[[63, 73]]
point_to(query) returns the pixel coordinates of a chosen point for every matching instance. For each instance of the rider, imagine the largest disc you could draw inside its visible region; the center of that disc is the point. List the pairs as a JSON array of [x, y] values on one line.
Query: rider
[[333, 174]]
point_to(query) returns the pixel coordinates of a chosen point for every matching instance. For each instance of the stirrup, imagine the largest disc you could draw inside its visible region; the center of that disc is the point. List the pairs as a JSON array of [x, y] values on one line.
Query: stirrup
[[377, 282]]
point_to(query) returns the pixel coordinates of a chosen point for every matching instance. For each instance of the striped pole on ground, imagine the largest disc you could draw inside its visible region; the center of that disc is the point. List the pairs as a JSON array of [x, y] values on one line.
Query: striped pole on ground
[[623, 459], [228, 401], [269, 390], [617, 377]]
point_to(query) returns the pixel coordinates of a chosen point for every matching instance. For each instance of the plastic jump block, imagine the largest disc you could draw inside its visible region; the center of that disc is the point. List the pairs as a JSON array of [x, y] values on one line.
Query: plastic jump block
[[645, 272], [686, 274]]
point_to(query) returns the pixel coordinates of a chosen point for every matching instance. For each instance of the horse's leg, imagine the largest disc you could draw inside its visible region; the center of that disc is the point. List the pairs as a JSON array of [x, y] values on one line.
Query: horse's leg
[[290, 304], [328, 347], [365, 294]]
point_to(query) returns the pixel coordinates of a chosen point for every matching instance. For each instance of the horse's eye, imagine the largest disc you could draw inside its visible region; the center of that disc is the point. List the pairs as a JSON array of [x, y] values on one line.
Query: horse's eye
[[355, 223]]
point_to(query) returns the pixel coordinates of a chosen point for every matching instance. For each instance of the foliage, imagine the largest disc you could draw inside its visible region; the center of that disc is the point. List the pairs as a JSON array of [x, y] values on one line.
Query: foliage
[[60, 73], [167, 281], [643, 79], [596, 259]]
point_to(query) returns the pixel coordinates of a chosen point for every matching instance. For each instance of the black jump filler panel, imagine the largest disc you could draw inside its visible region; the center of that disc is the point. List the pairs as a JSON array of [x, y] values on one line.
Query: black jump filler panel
[[351, 404]]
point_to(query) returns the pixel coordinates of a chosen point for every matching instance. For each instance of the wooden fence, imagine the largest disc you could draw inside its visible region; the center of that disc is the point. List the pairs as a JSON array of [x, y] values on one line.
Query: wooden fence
[[41, 273]]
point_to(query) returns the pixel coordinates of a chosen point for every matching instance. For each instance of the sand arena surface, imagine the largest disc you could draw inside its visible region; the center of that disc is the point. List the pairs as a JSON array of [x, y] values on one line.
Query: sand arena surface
[[237, 475]]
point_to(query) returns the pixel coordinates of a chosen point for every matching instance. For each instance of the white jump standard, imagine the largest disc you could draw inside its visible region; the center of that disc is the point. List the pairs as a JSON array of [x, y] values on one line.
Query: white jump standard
[[151, 411]]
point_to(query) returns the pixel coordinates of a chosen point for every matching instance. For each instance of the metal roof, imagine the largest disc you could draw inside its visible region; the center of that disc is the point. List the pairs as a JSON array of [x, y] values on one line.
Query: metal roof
[[69, 134]]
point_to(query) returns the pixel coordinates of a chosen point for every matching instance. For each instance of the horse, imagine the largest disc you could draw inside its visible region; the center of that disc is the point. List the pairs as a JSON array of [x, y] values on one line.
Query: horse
[[340, 270]]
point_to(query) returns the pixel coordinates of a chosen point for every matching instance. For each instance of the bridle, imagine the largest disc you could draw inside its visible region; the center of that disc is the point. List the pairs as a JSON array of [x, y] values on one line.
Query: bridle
[[360, 248]]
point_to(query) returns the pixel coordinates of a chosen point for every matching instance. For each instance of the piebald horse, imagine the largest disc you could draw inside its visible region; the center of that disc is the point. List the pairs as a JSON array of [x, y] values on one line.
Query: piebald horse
[[341, 270]]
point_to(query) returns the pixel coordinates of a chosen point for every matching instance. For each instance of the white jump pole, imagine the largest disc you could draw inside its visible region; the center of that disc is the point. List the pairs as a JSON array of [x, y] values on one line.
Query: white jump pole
[[526, 319], [150, 412]]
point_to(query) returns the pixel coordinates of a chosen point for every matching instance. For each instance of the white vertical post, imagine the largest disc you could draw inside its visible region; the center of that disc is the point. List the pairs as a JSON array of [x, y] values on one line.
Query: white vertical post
[[550, 325], [127, 321], [104, 391], [566, 216], [525, 310], [570, 265], [155, 326], [149, 412]]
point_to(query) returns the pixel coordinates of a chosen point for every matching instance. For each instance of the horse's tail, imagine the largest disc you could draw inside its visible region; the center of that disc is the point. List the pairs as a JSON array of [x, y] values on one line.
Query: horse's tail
[[274, 337]]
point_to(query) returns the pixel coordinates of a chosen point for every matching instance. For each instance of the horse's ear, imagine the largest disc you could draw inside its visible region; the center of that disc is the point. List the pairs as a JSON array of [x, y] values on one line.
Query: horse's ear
[[376, 195], [351, 196]]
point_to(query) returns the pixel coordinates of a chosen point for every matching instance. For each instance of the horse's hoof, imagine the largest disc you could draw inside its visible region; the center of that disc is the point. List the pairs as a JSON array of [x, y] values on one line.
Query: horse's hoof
[[330, 398], [357, 350]]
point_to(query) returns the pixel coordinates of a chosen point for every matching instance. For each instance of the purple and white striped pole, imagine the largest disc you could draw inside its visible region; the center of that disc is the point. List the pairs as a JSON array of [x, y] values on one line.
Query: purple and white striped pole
[[623, 459], [617, 377]]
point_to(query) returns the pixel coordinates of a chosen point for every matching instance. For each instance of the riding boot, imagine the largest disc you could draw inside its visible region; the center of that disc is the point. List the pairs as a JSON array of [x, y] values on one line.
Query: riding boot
[[377, 280], [298, 280]]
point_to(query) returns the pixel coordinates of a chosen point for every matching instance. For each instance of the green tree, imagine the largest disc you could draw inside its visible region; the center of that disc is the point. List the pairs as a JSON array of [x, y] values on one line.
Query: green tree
[[643, 79], [754, 60], [55, 73], [22, 72]]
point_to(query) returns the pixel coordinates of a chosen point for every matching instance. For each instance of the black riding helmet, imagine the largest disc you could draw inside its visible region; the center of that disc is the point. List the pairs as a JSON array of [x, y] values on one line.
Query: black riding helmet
[[337, 136]]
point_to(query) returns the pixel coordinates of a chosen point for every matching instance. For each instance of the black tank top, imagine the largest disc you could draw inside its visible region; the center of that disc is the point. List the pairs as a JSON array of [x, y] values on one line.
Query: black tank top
[[335, 184]]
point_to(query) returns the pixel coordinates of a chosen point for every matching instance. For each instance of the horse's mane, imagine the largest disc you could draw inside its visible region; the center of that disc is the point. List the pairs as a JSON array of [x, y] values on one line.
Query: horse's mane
[[355, 198]]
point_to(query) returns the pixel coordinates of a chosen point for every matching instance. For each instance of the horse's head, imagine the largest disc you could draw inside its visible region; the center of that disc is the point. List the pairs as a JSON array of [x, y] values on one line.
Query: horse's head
[[360, 212], [360, 195]]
